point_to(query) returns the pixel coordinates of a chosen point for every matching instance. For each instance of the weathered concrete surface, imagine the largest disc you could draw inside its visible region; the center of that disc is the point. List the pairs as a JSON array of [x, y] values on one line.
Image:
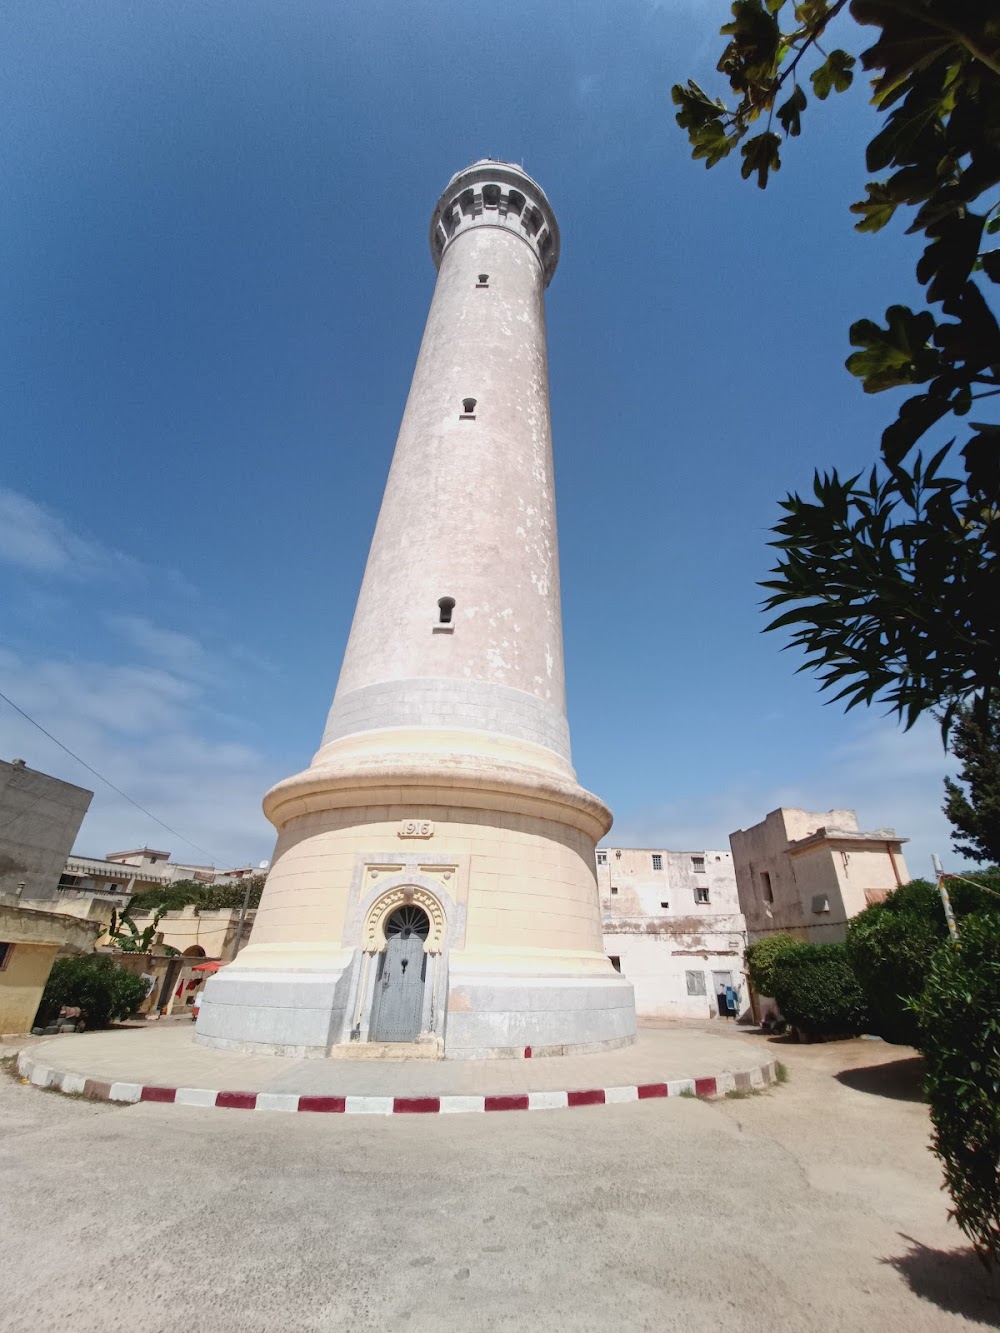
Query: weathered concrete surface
[[812, 1208], [166, 1055]]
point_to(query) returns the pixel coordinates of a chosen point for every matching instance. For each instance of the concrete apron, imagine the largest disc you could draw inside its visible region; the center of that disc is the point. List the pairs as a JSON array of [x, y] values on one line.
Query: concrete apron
[[45, 1068]]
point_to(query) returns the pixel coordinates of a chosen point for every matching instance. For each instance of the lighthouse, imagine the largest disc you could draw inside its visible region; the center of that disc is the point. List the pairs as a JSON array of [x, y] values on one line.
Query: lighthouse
[[433, 887]]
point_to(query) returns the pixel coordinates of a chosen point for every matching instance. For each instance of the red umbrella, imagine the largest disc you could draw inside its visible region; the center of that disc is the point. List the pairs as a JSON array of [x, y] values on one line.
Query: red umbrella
[[207, 967]]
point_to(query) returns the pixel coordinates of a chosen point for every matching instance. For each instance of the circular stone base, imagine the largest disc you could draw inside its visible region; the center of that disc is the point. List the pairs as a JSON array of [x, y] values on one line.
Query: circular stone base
[[161, 1063]]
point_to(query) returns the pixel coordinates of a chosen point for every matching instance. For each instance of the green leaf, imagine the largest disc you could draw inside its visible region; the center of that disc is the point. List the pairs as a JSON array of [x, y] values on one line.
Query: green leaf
[[754, 33], [876, 211], [790, 112], [916, 416], [835, 74], [761, 154], [711, 142], [948, 259], [696, 107], [897, 354]]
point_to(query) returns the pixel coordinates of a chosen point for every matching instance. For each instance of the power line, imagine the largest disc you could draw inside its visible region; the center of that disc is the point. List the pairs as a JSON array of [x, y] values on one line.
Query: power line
[[108, 783]]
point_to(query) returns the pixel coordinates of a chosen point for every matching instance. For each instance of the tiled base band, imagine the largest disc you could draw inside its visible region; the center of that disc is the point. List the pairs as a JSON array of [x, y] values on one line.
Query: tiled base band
[[43, 1076]]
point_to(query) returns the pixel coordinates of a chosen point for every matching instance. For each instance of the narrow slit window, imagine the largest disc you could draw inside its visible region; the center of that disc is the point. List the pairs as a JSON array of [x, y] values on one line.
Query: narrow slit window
[[446, 605], [468, 412], [484, 280]]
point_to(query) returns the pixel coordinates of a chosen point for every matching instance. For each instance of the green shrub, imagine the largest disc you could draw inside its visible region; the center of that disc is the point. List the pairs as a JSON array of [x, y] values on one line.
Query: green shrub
[[890, 946], [102, 989], [762, 957], [817, 991], [960, 1038]]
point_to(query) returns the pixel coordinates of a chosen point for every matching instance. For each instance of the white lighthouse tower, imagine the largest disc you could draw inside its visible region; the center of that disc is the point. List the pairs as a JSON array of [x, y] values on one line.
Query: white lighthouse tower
[[433, 882]]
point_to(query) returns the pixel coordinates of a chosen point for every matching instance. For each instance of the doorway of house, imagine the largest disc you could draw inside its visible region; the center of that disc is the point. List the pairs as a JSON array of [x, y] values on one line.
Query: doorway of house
[[720, 980], [399, 986]]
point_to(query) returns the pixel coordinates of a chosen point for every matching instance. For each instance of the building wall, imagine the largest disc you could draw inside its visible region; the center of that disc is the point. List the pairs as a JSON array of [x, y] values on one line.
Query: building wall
[[816, 867], [659, 928], [21, 984], [40, 817], [212, 932]]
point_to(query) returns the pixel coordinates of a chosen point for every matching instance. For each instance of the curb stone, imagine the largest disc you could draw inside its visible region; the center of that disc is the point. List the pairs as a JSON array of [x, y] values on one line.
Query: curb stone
[[44, 1076]]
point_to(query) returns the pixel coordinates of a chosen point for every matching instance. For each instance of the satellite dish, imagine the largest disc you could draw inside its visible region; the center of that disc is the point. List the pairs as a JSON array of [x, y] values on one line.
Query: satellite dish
[[263, 865]]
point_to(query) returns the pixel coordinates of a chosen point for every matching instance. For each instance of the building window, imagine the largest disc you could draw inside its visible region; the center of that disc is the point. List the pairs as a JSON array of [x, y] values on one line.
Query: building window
[[615, 962], [697, 864], [602, 858], [657, 861], [664, 904], [5, 954], [701, 893], [468, 412], [445, 607], [765, 887], [484, 280], [614, 889], [695, 983]]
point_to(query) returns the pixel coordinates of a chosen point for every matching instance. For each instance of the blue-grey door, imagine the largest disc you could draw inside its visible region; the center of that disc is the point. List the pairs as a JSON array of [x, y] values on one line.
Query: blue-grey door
[[399, 990]]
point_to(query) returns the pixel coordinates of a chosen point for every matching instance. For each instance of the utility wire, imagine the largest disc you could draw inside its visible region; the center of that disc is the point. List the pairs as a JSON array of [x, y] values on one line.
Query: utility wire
[[100, 776]]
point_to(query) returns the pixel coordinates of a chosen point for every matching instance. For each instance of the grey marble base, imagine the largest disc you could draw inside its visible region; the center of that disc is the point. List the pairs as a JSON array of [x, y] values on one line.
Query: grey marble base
[[274, 1013], [494, 1017]]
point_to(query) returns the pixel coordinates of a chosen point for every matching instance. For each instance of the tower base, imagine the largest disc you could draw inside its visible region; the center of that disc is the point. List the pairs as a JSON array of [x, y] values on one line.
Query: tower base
[[452, 907]]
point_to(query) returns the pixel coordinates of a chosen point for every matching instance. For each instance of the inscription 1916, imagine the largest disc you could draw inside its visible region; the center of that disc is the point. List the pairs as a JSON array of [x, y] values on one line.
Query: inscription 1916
[[416, 828]]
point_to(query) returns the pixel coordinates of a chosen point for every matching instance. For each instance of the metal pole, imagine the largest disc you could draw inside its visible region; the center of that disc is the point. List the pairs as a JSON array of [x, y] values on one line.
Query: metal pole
[[949, 915], [243, 916]]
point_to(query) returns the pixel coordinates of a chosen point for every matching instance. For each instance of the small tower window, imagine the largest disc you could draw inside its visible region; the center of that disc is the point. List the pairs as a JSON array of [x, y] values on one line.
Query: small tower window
[[491, 196], [484, 280], [446, 606], [468, 412]]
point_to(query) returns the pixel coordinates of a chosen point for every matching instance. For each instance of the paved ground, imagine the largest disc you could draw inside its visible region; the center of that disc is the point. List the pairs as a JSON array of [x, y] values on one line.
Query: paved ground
[[166, 1054], [813, 1207]]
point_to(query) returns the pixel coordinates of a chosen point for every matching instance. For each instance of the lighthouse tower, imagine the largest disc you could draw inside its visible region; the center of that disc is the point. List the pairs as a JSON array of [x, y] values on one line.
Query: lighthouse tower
[[433, 884]]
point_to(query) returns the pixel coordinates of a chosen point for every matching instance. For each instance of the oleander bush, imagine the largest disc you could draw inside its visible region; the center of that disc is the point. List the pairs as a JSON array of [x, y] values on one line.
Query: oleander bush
[[890, 946], [764, 955], [817, 991], [959, 1018], [103, 990]]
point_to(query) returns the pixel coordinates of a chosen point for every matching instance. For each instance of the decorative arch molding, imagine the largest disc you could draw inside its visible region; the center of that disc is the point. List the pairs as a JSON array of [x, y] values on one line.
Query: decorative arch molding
[[373, 935]]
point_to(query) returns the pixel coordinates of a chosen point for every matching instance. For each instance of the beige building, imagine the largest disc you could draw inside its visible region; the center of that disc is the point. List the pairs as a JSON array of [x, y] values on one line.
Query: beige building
[[122, 874], [433, 879], [30, 941], [808, 872], [673, 927]]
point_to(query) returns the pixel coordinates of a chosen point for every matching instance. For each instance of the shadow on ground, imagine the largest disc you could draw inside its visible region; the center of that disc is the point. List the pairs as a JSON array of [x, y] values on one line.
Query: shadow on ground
[[954, 1280], [902, 1080]]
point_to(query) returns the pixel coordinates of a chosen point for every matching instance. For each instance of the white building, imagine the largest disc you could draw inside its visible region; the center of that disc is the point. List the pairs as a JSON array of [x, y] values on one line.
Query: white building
[[672, 926]]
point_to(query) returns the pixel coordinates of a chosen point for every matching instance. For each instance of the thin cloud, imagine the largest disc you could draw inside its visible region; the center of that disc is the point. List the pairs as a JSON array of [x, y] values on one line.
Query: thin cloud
[[169, 648], [144, 729], [891, 778], [34, 538]]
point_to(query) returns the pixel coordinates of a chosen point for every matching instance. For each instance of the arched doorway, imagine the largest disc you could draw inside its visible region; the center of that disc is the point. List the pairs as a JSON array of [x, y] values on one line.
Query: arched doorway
[[399, 986]]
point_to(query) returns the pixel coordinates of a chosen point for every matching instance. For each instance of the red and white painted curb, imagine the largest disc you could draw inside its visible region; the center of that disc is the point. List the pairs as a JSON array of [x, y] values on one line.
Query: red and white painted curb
[[44, 1076]]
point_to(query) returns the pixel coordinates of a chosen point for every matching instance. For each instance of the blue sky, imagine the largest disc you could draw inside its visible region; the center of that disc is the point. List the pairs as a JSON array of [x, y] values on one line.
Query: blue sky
[[215, 220]]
